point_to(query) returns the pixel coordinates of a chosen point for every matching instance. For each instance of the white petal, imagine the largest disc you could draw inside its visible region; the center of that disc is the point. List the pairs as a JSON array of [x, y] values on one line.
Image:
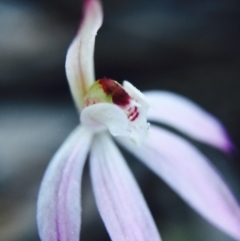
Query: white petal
[[138, 129], [79, 60], [136, 94], [101, 116], [58, 208], [191, 175], [118, 197], [183, 114]]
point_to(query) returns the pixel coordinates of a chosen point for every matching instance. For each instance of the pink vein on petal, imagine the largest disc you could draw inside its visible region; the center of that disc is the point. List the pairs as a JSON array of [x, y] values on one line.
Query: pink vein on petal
[[58, 209], [119, 200]]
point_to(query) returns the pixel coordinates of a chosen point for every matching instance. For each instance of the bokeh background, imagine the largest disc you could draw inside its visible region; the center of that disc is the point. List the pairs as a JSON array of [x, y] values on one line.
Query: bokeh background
[[188, 47]]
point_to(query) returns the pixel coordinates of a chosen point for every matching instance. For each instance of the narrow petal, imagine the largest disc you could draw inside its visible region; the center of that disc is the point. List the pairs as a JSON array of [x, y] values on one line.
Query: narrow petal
[[79, 60], [183, 114], [58, 208], [118, 197], [191, 175]]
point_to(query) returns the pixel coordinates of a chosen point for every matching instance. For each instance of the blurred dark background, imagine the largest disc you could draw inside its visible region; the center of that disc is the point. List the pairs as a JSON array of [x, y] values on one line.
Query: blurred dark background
[[188, 47]]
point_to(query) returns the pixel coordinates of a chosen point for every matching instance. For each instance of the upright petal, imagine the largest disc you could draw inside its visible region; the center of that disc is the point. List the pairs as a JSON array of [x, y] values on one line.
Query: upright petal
[[79, 61], [58, 208], [191, 175], [118, 197], [183, 114]]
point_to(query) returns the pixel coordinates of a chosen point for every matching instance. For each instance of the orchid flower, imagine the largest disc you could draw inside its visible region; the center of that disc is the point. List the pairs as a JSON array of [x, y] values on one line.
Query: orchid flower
[[110, 111]]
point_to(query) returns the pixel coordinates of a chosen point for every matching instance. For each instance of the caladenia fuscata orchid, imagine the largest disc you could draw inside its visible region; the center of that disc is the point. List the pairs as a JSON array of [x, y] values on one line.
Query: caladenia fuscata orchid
[[109, 110]]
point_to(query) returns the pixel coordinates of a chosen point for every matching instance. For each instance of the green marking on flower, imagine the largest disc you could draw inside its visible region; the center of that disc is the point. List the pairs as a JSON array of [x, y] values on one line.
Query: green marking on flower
[[108, 91]]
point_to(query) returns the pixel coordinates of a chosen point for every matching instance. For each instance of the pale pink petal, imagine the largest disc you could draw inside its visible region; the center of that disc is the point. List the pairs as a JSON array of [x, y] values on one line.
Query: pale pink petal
[[181, 113], [119, 200], [191, 175], [58, 208], [79, 61]]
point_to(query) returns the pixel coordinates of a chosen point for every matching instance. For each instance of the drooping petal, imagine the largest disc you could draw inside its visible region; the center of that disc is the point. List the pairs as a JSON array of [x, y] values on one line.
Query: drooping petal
[[120, 202], [191, 175], [58, 208], [183, 114], [79, 60]]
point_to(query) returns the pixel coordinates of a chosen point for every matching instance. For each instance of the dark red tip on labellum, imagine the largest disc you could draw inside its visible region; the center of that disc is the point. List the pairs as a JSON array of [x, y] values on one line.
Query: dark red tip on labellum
[[119, 95]]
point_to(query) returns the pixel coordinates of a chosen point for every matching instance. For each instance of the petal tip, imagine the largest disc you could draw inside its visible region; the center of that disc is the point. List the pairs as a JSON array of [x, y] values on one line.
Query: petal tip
[[228, 146], [93, 9], [225, 142]]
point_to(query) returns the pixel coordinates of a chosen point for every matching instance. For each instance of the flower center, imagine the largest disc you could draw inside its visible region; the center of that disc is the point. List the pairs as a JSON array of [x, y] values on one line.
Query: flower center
[[114, 89], [121, 109]]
